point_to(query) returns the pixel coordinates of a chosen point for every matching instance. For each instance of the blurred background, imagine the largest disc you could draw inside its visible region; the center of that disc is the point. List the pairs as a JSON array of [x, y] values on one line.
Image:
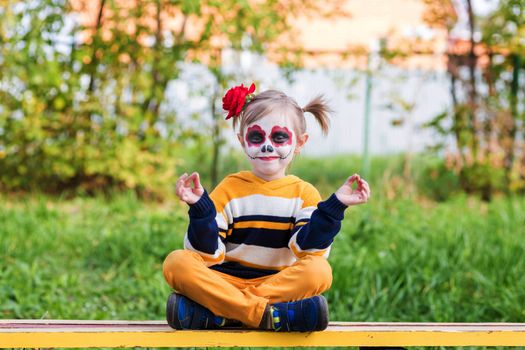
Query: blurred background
[[103, 104], [102, 95]]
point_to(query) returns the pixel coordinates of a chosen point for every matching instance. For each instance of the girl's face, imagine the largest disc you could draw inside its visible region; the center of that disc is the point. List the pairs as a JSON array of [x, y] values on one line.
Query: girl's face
[[270, 144]]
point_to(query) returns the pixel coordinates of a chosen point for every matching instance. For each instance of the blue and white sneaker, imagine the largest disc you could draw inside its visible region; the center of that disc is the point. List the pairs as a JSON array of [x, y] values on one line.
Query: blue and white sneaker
[[184, 313], [305, 315]]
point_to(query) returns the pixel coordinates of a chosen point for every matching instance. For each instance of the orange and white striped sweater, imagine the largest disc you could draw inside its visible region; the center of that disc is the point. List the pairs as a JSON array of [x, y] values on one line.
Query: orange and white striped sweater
[[249, 227]]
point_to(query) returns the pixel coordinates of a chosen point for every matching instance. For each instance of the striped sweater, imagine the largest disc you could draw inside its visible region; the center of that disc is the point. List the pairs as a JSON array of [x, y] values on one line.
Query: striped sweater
[[248, 227]]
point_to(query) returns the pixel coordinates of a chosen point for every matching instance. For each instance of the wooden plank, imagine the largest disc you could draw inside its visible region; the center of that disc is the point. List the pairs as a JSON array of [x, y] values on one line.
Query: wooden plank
[[86, 333]]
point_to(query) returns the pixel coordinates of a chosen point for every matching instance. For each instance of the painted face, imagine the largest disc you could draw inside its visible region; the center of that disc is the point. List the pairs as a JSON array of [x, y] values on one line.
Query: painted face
[[269, 144]]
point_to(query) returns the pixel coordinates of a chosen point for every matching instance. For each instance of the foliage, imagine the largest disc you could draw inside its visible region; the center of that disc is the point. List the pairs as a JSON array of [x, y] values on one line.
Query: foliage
[[436, 180], [488, 115], [394, 260], [62, 120], [83, 84]]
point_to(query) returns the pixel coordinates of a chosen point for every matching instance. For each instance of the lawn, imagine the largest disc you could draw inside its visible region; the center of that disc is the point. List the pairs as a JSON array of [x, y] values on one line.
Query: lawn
[[395, 259]]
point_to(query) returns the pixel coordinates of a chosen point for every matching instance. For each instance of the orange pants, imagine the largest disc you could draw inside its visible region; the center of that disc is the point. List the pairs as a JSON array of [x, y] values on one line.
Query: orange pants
[[244, 299]]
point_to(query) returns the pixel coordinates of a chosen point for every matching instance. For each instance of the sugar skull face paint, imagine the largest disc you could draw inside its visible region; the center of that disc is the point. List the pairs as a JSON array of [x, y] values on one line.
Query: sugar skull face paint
[[269, 144], [255, 136], [281, 136]]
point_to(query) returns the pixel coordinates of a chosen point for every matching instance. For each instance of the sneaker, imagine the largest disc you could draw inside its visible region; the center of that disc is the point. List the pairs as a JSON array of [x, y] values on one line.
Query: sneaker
[[184, 313], [305, 315]]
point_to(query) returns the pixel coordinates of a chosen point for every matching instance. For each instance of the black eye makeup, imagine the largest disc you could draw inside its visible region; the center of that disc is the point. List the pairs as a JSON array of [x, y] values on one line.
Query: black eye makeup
[[255, 137], [280, 137]]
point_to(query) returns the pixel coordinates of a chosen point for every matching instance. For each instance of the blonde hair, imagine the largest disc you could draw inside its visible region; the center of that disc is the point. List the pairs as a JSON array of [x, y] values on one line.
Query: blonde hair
[[276, 101]]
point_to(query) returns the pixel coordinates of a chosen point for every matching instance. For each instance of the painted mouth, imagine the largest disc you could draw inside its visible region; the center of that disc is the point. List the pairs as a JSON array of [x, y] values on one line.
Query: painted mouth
[[268, 158]]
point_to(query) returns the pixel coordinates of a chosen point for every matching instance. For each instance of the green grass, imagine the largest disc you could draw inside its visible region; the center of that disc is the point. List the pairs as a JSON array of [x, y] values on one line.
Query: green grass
[[85, 259], [451, 262], [394, 260], [402, 257]]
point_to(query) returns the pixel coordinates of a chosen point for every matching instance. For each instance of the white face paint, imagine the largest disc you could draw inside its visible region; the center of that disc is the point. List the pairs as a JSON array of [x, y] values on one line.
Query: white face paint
[[269, 144]]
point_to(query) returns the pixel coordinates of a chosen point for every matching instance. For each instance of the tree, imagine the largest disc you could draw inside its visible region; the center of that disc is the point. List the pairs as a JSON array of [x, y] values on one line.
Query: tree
[[488, 107], [82, 98]]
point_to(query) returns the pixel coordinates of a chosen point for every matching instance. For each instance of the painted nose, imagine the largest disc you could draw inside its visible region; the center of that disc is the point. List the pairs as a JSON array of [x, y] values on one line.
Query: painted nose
[[267, 148]]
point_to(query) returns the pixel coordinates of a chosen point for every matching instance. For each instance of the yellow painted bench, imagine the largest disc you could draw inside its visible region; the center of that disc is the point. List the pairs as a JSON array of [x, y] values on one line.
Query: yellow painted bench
[[74, 334]]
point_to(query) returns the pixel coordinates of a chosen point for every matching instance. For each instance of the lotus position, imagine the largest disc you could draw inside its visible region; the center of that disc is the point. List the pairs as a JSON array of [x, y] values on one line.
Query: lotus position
[[256, 247]]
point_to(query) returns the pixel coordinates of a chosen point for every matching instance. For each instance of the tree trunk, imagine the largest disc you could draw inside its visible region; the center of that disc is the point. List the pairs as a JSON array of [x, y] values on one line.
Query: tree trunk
[[151, 105], [472, 91], [86, 124], [94, 61], [455, 103], [514, 90], [491, 115]]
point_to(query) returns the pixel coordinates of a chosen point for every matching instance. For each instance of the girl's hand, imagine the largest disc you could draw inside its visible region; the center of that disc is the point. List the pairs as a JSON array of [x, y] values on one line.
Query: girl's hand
[[348, 196], [184, 190]]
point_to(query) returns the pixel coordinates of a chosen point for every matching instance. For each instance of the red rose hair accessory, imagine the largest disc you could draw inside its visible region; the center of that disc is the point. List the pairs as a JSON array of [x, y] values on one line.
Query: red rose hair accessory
[[236, 98]]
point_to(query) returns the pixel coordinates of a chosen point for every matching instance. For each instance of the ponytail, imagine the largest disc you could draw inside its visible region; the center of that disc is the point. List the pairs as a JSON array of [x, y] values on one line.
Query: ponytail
[[271, 101], [320, 110]]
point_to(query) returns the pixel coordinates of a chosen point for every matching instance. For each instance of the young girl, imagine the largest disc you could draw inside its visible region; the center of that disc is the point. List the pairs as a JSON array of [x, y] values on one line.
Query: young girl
[[256, 247]]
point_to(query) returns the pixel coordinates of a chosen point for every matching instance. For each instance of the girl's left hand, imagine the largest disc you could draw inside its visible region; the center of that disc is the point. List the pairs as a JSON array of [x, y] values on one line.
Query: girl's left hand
[[348, 196]]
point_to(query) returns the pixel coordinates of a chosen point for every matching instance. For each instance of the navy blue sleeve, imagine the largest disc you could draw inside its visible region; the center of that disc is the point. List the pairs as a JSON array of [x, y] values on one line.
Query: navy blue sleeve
[[323, 225], [202, 230]]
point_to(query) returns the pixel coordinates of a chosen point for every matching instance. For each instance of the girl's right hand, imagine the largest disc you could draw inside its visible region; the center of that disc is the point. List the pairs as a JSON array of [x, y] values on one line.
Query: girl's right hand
[[187, 193]]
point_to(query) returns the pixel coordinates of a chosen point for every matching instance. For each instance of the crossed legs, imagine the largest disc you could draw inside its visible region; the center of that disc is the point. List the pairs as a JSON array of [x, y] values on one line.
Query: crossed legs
[[244, 299]]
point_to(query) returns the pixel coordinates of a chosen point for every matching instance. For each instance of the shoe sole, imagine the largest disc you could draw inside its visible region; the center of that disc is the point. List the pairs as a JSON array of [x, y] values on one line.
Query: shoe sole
[[322, 319], [173, 320], [171, 311]]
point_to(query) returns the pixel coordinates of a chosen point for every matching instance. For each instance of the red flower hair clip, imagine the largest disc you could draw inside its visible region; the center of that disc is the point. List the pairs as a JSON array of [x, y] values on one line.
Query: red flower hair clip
[[236, 98]]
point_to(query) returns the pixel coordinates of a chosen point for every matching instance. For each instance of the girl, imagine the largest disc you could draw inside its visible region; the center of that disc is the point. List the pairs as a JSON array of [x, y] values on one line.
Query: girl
[[256, 247]]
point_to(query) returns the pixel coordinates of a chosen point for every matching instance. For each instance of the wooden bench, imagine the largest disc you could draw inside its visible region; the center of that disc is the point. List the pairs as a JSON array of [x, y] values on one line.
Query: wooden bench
[[73, 334]]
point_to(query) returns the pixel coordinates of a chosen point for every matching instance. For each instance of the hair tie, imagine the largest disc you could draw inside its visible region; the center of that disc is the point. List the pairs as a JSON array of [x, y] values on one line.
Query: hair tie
[[236, 99]]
